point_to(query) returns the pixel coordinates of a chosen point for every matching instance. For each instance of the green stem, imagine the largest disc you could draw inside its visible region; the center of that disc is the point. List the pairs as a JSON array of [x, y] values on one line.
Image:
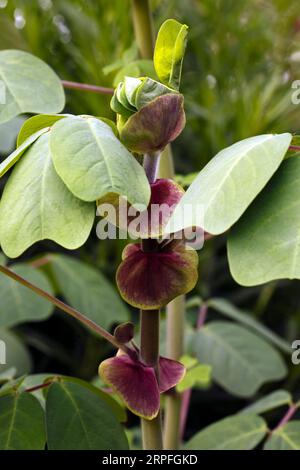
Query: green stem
[[175, 346], [151, 430], [143, 28], [65, 308]]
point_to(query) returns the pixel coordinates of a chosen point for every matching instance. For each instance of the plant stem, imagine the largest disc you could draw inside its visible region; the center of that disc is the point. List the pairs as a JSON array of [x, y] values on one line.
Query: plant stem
[[150, 164], [289, 414], [151, 430], [175, 342], [86, 87], [66, 308], [143, 28]]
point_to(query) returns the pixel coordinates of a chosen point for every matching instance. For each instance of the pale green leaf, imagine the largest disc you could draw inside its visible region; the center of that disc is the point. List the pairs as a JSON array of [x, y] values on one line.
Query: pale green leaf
[[8, 134], [17, 355], [36, 205], [93, 163], [19, 304], [197, 376], [233, 433], [37, 123], [21, 423], [229, 183], [169, 52], [269, 402], [241, 361], [30, 85], [78, 419], [267, 238], [17, 154], [287, 437], [246, 318], [86, 289]]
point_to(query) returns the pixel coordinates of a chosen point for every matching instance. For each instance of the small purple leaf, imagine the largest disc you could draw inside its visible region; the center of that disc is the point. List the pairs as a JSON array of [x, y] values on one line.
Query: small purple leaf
[[170, 373]]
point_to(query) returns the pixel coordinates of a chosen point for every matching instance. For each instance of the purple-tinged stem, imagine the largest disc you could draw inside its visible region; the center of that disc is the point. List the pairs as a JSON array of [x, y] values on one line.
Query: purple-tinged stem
[[150, 164], [294, 147], [87, 87], [66, 308], [289, 414]]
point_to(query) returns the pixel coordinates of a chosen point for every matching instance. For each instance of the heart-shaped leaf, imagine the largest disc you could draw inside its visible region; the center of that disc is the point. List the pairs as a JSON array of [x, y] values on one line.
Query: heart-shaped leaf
[[78, 419], [30, 86], [36, 205], [229, 183], [94, 164]]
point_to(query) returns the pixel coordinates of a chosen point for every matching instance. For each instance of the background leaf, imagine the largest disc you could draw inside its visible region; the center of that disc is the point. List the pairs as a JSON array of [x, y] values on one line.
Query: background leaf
[[229, 182], [35, 124], [22, 425], [287, 437], [269, 402], [77, 419], [19, 304], [30, 85], [36, 205], [86, 289], [241, 361], [246, 318], [233, 433], [17, 355], [267, 236]]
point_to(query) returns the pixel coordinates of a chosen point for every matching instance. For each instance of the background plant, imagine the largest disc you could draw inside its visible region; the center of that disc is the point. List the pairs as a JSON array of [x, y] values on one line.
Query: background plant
[[225, 113]]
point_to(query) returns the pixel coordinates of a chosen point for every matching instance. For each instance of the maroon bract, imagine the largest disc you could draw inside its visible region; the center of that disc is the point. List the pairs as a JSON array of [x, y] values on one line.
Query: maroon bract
[[151, 280], [136, 383], [154, 125]]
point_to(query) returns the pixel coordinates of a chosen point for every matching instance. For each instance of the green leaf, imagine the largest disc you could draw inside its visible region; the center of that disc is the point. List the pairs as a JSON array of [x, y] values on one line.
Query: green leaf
[[241, 361], [17, 154], [37, 123], [287, 437], [269, 402], [17, 355], [169, 52], [8, 134], [118, 410], [21, 423], [229, 183], [246, 318], [93, 163], [31, 86], [19, 304], [233, 433], [78, 419], [199, 375], [36, 205], [267, 236], [86, 289], [137, 68]]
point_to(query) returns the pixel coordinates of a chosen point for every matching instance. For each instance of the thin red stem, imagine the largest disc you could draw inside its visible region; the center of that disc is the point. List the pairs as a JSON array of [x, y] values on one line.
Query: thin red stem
[[87, 87], [39, 387], [66, 308], [289, 414], [294, 147]]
